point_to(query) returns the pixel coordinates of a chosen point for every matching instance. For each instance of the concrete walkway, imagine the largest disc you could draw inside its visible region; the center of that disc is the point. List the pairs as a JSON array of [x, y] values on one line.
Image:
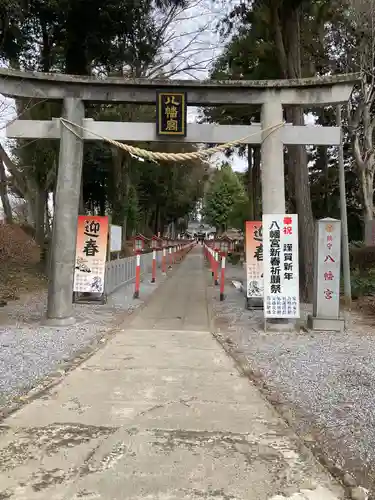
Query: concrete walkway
[[159, 413]]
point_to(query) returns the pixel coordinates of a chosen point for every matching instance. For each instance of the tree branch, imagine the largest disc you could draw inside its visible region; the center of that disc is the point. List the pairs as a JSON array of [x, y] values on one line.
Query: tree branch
[[357, 153]]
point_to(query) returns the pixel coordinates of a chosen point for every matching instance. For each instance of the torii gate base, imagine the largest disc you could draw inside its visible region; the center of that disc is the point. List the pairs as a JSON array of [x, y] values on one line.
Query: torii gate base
[[270, 95]]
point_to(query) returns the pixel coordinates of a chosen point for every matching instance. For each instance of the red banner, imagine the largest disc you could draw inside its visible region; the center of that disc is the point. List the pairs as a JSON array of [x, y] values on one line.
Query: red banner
[[254, 259], [91, 254]]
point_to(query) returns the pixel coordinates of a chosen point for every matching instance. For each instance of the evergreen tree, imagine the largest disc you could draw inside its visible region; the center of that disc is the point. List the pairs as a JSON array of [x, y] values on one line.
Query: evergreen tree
[[224, 195]]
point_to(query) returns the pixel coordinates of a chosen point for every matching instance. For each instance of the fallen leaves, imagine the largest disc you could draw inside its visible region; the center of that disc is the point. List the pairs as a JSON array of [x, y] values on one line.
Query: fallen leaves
[[19, 264]]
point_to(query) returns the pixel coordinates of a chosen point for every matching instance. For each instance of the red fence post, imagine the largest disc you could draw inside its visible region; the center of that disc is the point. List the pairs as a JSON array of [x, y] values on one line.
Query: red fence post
[[222, 277], [153, 279], [216, 268], [170, 257], [164, 261], [211, 252], [137, 275]]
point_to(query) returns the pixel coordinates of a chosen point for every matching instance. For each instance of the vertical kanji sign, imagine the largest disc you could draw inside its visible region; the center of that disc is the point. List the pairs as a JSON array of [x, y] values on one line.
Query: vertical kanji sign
[[171, 111], [280, 266], [91, 252], [327, 300], [254, 259]]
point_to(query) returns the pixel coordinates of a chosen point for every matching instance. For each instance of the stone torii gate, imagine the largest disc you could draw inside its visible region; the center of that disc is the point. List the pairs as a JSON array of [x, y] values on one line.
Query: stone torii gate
[[75, 91]]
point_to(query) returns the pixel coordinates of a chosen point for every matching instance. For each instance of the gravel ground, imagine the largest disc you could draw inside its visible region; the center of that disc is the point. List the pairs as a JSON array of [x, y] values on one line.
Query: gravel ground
[[326, 379], [29, 352]]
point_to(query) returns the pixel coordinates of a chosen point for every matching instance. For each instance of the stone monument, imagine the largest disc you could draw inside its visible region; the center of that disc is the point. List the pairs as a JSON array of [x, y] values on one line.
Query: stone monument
[[326, 305]]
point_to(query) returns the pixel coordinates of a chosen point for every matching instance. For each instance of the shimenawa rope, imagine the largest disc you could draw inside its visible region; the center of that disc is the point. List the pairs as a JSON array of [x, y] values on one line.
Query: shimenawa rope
[[154, 155]]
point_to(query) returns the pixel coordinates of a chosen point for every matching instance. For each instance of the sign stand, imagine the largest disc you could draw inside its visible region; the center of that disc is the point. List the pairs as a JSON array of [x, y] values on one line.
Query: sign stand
[[251, 305], [89, 298]]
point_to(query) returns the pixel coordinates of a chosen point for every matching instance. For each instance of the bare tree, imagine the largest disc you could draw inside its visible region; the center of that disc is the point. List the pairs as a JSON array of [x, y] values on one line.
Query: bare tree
[[21, 212], [189, 44], [184, 46], [185, 42], [4, 196], [6, 111], [18, 178], [361, 117]]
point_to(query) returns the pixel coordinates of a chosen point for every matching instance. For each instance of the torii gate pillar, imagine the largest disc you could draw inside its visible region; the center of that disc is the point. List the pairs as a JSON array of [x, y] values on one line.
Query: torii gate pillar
[[272, 157], [64, 233]]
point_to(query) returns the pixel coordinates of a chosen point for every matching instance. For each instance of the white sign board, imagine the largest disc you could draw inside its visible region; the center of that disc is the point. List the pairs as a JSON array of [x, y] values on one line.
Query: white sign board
[[327, 269], [281, 267], [115, 238]]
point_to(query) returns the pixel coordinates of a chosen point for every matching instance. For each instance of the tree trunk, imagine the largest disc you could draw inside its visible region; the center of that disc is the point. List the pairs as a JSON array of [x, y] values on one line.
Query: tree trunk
[[81, 200], [364, 157], [367, 187], [46, 49], [124, 232], [53, 202], [300, 172], [102, 206], [290, 205], [257, 183], [39, 211], [173, 230], [118, 201], [76, 56], [120, 198], [48, 221], [125, 183], [4, 195], [162, 223], [286, 25], [323, 153], [156, 221], [249, 184]]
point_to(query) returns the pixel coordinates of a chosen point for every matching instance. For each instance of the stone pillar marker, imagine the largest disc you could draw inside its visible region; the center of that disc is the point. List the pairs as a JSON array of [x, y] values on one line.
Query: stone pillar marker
[[64, 234], [326, 305]]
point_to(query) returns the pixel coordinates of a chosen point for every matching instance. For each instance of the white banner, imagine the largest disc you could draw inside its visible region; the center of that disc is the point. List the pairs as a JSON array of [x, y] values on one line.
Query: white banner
[[115, 238], [281, 266]]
